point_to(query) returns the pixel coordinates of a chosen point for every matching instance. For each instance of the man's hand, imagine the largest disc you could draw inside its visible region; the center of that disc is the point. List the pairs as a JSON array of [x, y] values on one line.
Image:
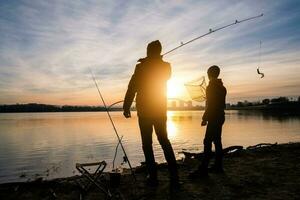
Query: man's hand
[[127, 113], [203, 123]]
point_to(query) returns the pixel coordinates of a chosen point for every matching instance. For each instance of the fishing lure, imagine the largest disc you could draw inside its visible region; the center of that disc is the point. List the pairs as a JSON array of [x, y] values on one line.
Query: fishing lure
[[259, 63], [262, 74]]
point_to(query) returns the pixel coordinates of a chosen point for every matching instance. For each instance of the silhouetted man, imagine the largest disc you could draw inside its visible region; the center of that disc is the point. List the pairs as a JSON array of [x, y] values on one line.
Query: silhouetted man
[[213, 117], [149, 84]]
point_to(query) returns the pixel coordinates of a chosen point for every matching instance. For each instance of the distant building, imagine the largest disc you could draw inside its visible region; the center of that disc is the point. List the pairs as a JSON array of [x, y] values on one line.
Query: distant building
[[173, 104], [189, 104], [227, 105], [181, 104]]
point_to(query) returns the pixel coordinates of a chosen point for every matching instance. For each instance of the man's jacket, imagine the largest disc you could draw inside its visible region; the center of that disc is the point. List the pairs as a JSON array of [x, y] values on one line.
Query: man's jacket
[[215, 101], [149, 84]]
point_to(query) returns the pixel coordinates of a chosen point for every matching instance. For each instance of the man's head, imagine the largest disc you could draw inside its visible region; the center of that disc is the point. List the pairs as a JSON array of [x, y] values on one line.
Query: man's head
[[213, 72], [154, 49]]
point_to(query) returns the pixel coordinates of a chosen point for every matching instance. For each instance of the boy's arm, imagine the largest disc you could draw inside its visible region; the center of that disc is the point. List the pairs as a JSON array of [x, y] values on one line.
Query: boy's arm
[[205, 115]]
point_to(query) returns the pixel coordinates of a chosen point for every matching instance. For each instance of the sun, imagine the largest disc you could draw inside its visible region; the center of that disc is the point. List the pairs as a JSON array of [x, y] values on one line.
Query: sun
[[175, 89]]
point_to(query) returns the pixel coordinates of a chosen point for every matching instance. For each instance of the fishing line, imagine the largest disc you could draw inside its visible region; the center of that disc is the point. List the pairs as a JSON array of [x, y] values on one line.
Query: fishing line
[[116, 152], [112, 123], [259, 54], [259, 62]]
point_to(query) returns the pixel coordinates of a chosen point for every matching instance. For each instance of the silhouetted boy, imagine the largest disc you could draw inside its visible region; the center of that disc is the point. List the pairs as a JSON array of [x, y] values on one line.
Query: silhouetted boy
[[213, 117], [149, 83]]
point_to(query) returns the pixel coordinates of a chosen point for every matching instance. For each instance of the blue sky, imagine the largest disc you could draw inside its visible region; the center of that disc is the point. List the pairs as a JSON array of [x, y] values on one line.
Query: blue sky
[[46, 47]]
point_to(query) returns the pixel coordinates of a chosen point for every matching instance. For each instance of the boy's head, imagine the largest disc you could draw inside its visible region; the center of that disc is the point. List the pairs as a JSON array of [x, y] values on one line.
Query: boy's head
[[154, 49], [213, 72]]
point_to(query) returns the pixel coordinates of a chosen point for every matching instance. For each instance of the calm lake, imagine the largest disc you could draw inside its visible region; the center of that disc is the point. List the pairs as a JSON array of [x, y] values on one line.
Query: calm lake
[[49, 144]]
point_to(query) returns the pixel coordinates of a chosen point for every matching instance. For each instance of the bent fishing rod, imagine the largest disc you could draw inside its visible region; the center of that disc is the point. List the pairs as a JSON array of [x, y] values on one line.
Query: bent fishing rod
[[113, 124], [212, 31], [201, 36]]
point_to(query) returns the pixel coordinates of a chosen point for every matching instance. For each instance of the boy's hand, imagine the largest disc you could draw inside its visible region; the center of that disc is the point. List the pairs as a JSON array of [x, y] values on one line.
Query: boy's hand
[[127, 113], [203, 123]]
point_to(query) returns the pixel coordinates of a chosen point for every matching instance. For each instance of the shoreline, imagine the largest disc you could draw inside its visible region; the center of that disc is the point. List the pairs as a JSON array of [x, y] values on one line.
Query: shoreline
[[270, 172], [292, 107]]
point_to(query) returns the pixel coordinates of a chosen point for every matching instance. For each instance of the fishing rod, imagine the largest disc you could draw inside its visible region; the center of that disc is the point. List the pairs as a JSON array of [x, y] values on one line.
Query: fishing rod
[[201, 36], [212, 31], [113, 124], [117, 102]]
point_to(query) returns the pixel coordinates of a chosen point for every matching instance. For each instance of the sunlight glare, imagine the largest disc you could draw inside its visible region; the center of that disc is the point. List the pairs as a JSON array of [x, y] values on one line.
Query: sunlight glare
[[172, 129], [175, 89]]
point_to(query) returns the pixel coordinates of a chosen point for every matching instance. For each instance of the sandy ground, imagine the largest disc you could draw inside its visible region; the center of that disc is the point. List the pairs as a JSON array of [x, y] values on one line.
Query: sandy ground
[[261, 173]]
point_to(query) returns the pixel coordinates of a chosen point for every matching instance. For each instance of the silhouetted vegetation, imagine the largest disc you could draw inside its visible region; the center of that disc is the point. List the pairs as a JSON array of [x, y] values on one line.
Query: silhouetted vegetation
[[34, 107], [275, 104], [280, 104]]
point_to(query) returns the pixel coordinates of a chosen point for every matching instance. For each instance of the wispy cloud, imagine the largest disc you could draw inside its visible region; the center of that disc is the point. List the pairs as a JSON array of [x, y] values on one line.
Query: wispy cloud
[[46, 47]]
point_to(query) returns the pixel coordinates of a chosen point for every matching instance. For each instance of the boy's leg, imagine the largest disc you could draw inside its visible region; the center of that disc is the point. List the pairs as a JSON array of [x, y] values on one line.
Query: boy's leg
[[218, 146], [146, 133], [202, 170], [207, 147]]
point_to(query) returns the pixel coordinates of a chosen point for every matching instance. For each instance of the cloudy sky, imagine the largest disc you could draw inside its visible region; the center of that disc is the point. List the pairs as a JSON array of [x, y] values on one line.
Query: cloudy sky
[[47, 47]]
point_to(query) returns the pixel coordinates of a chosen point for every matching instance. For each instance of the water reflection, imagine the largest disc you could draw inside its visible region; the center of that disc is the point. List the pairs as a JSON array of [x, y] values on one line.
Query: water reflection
[[178, 116], [279, 116], [49, 144], [172, 129]]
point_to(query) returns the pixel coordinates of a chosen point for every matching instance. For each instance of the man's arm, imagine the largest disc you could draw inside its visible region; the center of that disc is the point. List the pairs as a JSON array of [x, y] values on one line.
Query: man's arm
[[130, 94], [168, 71]]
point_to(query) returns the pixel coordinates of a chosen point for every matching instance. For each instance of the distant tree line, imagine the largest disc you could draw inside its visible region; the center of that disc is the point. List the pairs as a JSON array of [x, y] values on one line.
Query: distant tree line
[[275, 104], [278, 104], [278, 100], [34, 107]]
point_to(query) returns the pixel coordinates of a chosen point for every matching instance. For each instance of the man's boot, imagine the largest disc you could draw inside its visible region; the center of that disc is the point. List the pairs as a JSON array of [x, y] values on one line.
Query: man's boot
[[152, 181], [152, 177], [218, 166]]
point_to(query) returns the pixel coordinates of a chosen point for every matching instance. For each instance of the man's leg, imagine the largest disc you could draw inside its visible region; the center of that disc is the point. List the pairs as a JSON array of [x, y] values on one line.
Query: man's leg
[[146, 133], [162, 136]]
